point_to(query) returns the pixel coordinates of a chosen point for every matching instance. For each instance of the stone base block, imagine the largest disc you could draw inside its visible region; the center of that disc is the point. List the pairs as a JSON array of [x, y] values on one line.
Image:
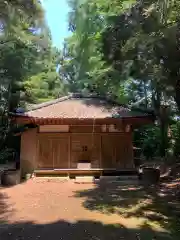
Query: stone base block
[[85, 179]]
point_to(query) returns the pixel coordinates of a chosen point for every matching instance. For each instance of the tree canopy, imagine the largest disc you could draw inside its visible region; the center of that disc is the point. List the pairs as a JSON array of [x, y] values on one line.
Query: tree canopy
[[28, 60], [126, 49], [114, 44]]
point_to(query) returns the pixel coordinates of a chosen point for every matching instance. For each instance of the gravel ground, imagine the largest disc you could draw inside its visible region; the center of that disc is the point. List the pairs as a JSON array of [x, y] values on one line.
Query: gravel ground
[[50, 210]]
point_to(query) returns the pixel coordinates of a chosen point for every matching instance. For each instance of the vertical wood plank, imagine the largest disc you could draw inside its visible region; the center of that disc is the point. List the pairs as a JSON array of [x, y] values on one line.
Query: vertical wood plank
[[100, 155], [69, 153], [53, 156], [60, 148]]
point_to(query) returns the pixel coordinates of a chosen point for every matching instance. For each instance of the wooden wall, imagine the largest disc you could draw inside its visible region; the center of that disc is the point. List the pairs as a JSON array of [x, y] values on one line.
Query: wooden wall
[[64, 150], [28, 151], [85, 146], [53, 151], [117, 150]]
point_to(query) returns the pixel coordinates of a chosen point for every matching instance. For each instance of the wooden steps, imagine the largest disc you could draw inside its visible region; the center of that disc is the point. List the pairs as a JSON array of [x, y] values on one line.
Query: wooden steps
[[96, 173]]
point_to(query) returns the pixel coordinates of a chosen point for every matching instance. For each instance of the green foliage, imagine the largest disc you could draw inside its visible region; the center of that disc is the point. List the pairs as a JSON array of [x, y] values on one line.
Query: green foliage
[[7, 155], [45, 85], [20, 46], [142, 42], [82, 62], [128, 50], [175, 128], [149, 140], [97, 55], [28, 62]]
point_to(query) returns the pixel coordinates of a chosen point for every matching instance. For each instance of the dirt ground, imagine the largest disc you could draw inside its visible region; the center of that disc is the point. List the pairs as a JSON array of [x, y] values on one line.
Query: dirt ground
[[41, 209]]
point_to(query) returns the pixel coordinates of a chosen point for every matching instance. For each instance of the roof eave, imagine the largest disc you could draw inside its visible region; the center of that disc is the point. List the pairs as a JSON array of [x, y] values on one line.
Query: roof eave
[[138, 120]]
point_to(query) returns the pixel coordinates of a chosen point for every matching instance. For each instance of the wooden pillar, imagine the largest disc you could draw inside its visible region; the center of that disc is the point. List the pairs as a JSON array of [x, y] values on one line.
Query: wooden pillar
[[69, 153], [100, 157]]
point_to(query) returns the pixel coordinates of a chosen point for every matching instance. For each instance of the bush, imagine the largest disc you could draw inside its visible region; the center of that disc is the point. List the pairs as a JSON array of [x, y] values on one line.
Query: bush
[[175, 141], [7, 155], [148, 138]]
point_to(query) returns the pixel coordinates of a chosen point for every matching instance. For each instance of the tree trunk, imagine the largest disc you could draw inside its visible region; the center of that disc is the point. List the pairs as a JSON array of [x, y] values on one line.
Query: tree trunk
[[163, 120], [164, 136], [164, 123], [177, 94], [177, 86], [146, 95]]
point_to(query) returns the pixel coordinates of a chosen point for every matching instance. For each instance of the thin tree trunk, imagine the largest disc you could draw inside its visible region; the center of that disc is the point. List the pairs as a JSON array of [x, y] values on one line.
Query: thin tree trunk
[[177, 94], [163, 121], [146, 95], [177, 86], [164, 133]]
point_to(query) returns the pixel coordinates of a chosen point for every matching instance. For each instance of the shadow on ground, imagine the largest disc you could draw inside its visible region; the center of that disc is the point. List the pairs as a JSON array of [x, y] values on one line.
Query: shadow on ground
[[4, 208], [129, 201], [81, 230], [152, 204]]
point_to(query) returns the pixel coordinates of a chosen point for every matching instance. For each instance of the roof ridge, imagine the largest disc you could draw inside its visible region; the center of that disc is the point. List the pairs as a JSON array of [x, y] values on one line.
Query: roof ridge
[[46, 104]]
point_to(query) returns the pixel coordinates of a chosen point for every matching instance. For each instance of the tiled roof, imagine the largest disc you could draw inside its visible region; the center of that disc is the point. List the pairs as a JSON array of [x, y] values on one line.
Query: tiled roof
[[76, 106]]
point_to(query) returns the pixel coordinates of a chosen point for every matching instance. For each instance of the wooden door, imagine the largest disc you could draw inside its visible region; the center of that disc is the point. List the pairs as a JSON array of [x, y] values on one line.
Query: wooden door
[[120, 145], [108, 151], [85, 147], [53, 152], [45, 159], [117, 151], [60, 151], [128, 151], [96, 151]]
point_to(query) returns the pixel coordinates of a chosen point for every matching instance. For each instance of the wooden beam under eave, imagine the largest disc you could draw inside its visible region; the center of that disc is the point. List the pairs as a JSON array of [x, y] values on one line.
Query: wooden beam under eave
[[66, 121], [138, 121], [23, 121]]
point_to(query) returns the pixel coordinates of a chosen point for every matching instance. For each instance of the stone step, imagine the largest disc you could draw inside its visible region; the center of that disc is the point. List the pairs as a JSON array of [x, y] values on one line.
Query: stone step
[[84, 179], [50, 179]]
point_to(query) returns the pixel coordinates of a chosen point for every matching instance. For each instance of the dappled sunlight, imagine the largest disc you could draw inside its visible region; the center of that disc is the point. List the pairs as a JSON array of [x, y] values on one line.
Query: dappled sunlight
[[131, 189], [110, 197], [83, 212], [6, 209], [134, 203]]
